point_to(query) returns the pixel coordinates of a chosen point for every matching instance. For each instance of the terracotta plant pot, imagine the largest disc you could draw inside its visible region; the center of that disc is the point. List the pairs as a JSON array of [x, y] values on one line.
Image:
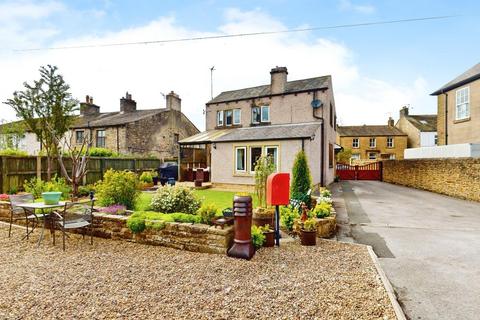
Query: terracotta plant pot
[[308, 238], [262, 217], [269, 239]]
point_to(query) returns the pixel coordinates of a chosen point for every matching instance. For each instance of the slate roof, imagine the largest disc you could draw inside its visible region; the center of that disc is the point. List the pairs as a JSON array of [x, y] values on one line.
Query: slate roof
[[368, 130], [263, 91], [424, 123], [258, 133], [468, 76], [107, 119]]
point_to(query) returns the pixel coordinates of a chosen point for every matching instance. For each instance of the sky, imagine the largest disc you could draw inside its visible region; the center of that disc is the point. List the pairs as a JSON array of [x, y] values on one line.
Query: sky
[[375, 69]]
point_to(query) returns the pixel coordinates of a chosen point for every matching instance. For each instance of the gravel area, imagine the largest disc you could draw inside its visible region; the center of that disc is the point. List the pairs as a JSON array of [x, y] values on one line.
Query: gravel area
[[121, 280]]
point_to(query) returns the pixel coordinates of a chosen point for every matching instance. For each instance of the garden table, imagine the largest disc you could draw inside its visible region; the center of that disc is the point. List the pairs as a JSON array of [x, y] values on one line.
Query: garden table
[[32, 206]]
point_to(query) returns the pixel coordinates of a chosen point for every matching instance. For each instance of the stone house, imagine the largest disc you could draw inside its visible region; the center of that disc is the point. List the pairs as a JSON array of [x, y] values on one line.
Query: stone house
[[458, 104], [421, 129], [371, 143], [278, 119], [132, 131]]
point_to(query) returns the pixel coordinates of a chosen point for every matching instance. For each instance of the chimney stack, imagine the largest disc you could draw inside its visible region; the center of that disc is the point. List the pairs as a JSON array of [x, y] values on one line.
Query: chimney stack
[[391, 123], [404, 111], [87, 108], [127, 104], [278, 80], [174, 102]]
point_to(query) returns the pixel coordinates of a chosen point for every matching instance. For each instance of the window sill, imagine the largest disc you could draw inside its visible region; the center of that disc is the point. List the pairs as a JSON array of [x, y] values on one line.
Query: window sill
[[461, 120]]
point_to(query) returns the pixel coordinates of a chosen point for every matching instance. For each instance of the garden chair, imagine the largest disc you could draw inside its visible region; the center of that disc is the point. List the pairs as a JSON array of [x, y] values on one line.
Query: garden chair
[[75, 215], [19, 213]]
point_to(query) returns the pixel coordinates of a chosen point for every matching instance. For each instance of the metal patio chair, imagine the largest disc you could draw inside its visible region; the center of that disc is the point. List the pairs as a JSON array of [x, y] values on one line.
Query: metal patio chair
[[19, 213], [75, 215]]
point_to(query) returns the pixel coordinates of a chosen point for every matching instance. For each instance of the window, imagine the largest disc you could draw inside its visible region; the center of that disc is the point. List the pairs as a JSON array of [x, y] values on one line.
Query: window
[[330, 155], [176, 137], [256, 115], [265, 113], [463, 104], [372, 155], [355, 156], [255, 153], [373, 143], [240, 159], [391, 156], [389, 142], [355, 143], [220, 118], [101, 138], [79, 136], [273, 152], [228, 117], [237, 116]]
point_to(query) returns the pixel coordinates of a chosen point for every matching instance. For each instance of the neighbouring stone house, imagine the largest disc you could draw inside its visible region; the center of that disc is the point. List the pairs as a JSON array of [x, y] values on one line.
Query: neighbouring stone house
[[458, 104], [278, 119], [373, 142], [421, 129]]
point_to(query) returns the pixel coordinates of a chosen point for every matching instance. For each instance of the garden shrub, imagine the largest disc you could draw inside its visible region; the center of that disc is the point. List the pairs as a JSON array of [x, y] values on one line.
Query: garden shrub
[[301, 179], [207, 213], [36, 186], [288, 216], [146, 177], [118, 187], [258, 238], [169, 199]]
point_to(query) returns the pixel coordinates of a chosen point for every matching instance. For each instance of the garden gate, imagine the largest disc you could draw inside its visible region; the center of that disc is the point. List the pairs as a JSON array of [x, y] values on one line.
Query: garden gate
[[371, 171]]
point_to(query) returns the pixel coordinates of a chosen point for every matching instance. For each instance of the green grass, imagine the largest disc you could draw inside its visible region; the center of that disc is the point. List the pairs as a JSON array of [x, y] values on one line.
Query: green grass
[[221, 199]]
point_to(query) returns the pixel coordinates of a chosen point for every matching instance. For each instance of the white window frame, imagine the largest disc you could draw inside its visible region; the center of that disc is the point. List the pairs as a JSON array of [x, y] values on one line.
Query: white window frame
[[220, 121], [226, 117], [250, 153], [355, 143], [244, 159], [390, 142], [261, 113], [277, 162], [374, 142], [239, 112], [462, 103]]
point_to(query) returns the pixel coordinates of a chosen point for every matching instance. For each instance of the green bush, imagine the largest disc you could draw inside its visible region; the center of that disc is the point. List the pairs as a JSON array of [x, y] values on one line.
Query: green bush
[[36, 186], [258, 238], [207, 212], [118, 187], [13, 152], [288, 216], [146, 177], [301, 180], [169, 199]]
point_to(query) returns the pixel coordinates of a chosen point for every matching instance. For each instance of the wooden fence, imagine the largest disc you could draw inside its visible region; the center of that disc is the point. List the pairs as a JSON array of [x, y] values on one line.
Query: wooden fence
[[15, 170]]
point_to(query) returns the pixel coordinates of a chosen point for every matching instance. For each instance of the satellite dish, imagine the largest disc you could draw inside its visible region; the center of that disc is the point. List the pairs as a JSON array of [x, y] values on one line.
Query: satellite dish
[[316, 103]]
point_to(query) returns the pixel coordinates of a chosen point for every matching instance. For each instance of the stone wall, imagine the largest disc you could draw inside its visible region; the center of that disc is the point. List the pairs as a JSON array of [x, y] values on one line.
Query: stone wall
[[458, 177], [183, 236]]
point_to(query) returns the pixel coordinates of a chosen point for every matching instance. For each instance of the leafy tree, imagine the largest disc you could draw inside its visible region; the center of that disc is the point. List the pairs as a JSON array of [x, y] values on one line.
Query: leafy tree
[[344, 156], [301, 180], [45, 104]]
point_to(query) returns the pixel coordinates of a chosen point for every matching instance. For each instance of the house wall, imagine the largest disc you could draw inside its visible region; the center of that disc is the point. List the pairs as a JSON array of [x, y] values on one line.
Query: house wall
[[399, 145], [463, 131]]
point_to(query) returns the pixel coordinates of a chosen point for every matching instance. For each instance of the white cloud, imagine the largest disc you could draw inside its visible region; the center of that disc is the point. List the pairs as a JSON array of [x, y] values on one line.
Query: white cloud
[[147, 70], [347, 5]]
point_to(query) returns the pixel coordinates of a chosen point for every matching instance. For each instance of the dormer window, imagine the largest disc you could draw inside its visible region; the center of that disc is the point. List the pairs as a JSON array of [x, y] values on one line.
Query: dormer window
[[220, 118]]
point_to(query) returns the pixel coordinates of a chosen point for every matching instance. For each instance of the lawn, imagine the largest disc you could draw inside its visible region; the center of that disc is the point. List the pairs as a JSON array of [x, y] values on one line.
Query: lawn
[[221, 199]]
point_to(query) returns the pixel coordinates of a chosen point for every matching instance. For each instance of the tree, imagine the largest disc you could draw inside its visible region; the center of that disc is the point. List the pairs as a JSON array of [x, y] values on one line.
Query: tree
[[344, 156], [301, 180], [47, 103]]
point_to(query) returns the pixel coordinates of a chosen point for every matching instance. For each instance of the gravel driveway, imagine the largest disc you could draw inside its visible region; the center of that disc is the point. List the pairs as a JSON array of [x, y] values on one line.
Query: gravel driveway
[[120, 280]]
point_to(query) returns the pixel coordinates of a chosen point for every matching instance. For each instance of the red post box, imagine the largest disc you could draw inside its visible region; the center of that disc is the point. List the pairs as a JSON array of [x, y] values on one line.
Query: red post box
[[278, 189]]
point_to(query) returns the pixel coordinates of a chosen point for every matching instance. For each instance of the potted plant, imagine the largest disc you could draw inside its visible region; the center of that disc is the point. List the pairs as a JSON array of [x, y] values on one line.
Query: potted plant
[[308, 232], [263, 215], [269, 234]]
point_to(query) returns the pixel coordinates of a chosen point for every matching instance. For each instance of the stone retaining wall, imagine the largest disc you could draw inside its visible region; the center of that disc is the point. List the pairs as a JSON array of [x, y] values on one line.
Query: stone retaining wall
[[184, 236], [458, 177]]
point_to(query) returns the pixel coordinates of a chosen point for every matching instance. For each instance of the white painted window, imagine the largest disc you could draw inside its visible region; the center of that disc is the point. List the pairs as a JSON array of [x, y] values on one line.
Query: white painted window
[[373, 142], [255, 153], [372, 155], [220, 118], [228, 117], [355, 156], [240, 159], [273, 152], [355, 143], [390, 142], [462, 103], [237, 113], [265, 113]]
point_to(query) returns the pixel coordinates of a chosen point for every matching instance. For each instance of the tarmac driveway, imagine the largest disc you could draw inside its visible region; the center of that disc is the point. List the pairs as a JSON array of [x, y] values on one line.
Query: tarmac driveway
[[428, 245]]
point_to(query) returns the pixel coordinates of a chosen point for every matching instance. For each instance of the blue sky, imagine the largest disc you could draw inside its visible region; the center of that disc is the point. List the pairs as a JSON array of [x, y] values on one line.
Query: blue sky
[[415, 58]]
